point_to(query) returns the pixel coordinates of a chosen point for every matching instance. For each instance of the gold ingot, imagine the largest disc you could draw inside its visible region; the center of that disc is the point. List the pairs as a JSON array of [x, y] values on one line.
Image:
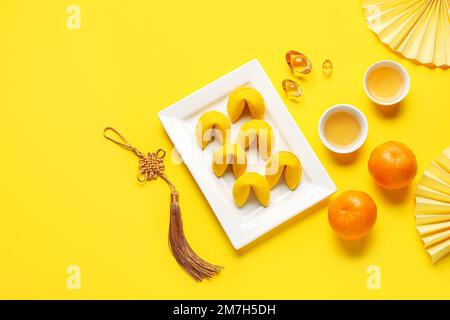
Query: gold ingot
[[291, 88], [327, 67], [298, 62]]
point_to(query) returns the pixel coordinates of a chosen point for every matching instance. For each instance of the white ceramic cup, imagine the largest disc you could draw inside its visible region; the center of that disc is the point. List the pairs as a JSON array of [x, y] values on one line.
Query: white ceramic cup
[[395, 65], [358, 115]]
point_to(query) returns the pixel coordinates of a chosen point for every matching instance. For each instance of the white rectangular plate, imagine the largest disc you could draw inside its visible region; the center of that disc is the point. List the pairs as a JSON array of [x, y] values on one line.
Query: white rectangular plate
[[243, 225]]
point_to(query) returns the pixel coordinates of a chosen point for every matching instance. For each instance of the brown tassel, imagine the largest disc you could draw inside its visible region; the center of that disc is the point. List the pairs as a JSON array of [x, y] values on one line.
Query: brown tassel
[[151, 166], [195, 266]]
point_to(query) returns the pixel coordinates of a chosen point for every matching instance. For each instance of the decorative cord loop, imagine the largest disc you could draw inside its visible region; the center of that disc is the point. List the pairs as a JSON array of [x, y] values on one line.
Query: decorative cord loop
[[124, 144]]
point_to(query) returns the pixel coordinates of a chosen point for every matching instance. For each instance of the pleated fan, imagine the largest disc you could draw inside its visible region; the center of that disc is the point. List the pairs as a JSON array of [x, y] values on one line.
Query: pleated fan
[[433, 207], [418, 29]]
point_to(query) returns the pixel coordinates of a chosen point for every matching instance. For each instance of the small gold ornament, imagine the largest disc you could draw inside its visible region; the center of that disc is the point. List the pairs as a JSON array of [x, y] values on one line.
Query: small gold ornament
[[298, 62], [327, 67], [291, 88]]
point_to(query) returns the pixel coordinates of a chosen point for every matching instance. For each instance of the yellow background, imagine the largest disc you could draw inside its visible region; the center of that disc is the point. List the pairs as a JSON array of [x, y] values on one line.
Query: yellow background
[[69, 197]]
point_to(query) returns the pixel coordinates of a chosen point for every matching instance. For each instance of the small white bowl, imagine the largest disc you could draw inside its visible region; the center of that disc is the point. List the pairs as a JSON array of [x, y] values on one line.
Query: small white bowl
[[358, 115], [395, 65]]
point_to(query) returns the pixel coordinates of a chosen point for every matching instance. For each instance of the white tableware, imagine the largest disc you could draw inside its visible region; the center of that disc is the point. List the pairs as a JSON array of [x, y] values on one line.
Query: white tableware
[[358, 115], [243, 225], [395, 65]]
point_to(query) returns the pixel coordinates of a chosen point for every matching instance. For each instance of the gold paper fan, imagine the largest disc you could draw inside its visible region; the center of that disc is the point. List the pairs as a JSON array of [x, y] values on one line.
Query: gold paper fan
[[418, 29], [433, 207]]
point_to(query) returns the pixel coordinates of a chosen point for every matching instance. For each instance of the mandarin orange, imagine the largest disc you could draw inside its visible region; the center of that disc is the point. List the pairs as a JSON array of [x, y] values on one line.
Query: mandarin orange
[[393, 165], [352, 214]]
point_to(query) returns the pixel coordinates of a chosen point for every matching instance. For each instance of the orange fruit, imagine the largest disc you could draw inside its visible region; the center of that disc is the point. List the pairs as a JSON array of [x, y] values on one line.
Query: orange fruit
[[393, 165], [352, 214]]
